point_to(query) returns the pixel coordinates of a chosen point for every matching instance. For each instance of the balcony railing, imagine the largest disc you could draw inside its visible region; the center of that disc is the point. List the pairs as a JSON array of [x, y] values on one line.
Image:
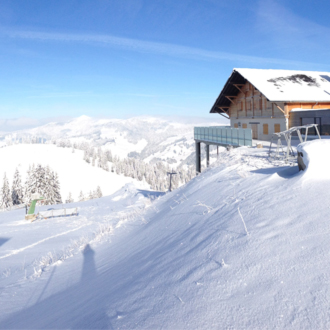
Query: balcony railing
[[224, 135]]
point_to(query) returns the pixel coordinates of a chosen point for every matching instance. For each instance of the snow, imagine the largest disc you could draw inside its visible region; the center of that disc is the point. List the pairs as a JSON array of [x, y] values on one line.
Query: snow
[[244, 245], [300, 109], [278, 85], [122, 147], [75, 174], [126, 137], [316, 157]]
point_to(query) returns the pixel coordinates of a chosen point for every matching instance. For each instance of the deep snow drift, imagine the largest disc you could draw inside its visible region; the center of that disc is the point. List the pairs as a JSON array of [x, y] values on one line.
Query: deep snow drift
[[190, 263], [316, 157]]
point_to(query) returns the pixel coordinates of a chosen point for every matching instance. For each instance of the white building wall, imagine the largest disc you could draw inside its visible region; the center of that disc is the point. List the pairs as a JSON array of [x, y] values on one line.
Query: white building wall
[[260, 122]]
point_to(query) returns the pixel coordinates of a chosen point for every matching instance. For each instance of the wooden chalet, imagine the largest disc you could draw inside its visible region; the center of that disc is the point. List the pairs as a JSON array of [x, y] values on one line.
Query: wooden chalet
[[270, 101]]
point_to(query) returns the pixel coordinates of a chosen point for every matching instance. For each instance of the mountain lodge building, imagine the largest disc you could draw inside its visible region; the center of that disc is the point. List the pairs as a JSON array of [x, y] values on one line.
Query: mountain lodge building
[[270, 101]]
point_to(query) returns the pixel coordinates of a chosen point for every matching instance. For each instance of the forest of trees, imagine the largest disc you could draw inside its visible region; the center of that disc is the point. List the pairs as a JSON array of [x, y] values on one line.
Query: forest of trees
[[39, 179], [42, 180], [45, 181], [154, 174]]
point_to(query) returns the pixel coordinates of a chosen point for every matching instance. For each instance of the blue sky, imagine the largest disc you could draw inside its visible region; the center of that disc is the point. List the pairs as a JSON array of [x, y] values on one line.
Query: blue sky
[[124, 58]]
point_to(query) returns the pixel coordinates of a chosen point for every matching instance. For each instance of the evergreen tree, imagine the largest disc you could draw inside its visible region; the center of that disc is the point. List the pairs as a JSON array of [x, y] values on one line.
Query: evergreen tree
[[40, 180], [54, 187], [45, 182], [108, 155], [86, 156], [98, 192], [6, 200], [91, 195], [28, 189], [17, 189], [69, 199], [81, 196]]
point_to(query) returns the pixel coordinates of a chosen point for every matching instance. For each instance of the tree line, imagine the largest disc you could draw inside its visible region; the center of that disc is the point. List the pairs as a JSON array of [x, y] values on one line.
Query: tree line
[[154, 174]]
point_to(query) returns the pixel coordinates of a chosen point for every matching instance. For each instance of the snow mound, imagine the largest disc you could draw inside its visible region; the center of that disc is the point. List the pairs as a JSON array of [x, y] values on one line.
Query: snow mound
[[315, 155]]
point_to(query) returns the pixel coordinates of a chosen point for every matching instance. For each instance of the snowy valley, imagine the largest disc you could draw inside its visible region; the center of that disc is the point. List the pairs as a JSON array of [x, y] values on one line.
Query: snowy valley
[[94, 157], [151, 139]]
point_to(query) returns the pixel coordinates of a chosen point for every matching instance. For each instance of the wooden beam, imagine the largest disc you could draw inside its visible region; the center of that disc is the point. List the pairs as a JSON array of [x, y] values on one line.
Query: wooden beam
[[230, 99], [223, 115], [279, 108], [223, 108], [238, 86]]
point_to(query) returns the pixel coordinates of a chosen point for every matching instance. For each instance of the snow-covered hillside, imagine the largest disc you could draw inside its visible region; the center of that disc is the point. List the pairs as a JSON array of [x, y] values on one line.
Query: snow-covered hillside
[[75, 174], [242, 246], [148, 138]]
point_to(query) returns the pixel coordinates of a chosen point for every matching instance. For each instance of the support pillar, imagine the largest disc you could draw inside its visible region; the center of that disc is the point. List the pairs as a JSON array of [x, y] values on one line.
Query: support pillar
[[198, 157], [207, 155]]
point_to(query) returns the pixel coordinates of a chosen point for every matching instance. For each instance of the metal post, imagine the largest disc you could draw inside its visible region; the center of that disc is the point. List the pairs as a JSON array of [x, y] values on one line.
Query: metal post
[[207, 155], [299, 136], [318, 133], [198, 157], [170, 174]]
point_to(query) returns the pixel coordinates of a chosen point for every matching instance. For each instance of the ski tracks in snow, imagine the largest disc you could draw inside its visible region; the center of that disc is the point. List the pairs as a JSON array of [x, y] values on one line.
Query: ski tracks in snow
[[39, 242]]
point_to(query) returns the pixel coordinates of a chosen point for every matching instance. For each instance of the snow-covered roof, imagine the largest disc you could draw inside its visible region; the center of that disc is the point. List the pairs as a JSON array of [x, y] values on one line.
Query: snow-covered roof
[[278, 86], [290, 85]]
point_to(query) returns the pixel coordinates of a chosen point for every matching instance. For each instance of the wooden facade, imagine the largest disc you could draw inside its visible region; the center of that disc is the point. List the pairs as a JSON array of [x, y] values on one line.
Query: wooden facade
[[251, 103], [251, 109]]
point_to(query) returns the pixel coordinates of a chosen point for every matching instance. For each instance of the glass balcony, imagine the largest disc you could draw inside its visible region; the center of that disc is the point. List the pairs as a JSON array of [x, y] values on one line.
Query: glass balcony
[[224, 135]]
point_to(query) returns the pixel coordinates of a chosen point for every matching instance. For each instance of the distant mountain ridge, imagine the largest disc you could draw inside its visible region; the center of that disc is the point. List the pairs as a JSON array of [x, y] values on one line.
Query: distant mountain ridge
[[148, 138]]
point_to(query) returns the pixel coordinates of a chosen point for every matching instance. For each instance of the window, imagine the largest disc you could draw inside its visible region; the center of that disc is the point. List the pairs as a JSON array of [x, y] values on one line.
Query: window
[[265, 129], [236, 125], [244, 125], [277, 128]]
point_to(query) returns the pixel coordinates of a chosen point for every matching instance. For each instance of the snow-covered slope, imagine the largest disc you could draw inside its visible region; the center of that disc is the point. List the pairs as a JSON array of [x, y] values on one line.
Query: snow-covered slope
[[31, 247], [242, 246], [149, 138], [75, 174]]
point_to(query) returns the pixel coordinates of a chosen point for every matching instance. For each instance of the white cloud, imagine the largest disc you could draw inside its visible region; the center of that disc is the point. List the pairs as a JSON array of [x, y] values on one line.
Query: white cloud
[[145, 47], [15, 124]]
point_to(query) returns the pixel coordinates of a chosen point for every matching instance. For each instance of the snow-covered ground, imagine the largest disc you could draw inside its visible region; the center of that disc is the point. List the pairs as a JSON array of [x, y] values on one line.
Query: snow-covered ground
[[30, 247], [74, 173], [148, 138], [242, 246]]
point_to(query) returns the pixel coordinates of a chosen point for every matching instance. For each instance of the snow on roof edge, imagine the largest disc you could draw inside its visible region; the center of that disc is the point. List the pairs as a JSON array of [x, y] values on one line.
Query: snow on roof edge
[[276, 87]]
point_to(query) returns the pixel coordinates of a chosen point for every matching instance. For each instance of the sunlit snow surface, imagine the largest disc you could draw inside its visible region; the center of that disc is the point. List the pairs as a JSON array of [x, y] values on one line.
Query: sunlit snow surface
[[74, 173], [187, 262], [147, 138]]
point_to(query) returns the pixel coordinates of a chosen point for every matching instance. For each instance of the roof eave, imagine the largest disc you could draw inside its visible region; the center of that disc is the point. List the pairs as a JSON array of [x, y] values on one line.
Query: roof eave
[[215, 108]]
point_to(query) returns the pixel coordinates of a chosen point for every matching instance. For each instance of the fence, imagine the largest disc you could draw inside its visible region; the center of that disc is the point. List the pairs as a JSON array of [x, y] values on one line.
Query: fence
[[226, 135], [59, 213]]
